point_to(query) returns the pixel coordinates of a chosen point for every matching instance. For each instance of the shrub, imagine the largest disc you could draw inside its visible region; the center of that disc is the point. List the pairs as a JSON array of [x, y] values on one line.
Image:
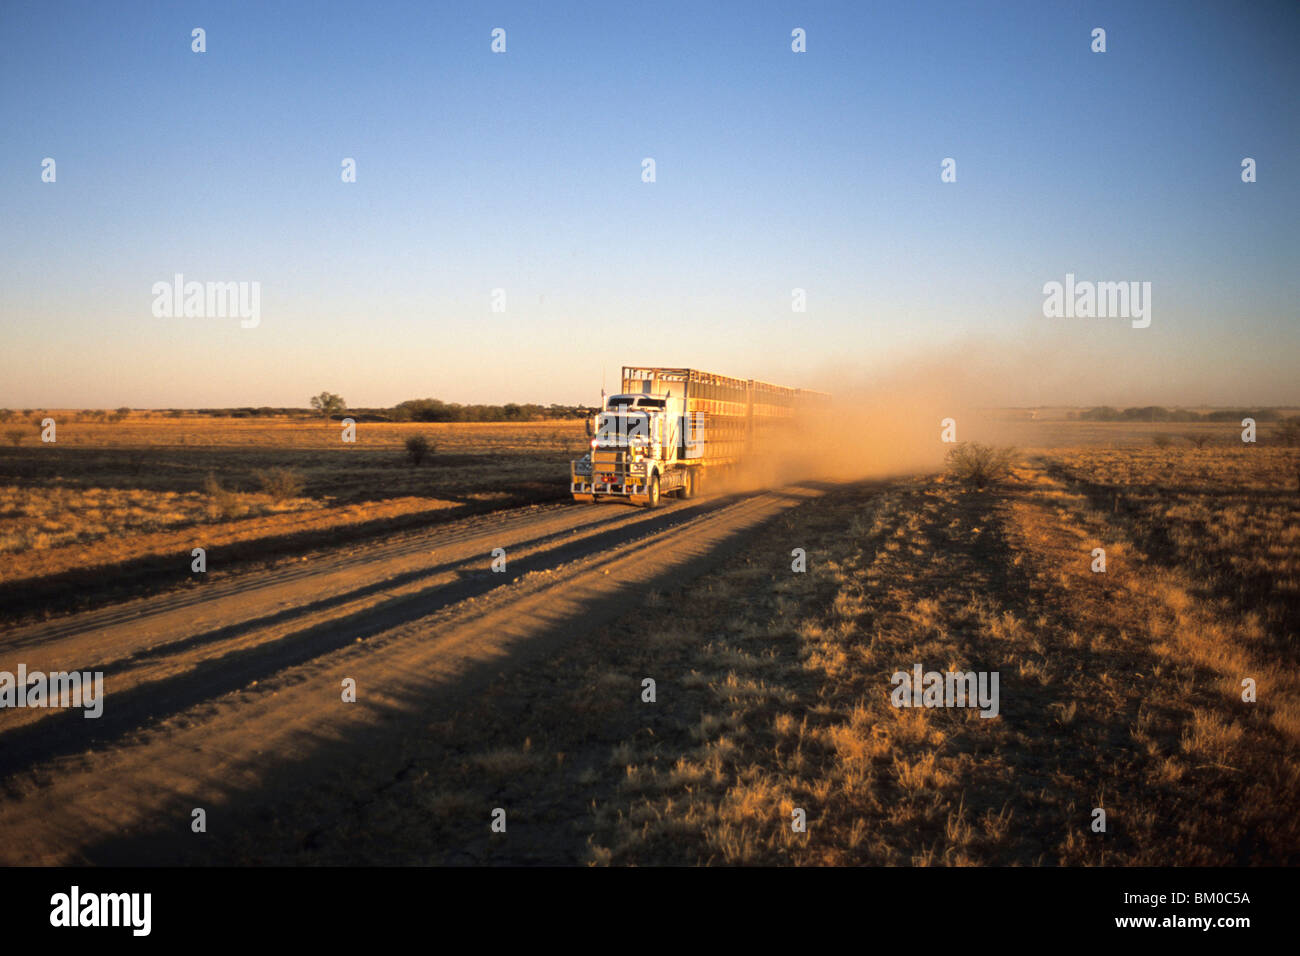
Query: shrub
[[980, 465], [222, 502], [1162, 441], [1200, 441], [15, 436], [417, 447], [280, 483]]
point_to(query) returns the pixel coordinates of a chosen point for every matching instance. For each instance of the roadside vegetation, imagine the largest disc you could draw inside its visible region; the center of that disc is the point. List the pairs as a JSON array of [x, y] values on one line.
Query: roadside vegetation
[[127, 494], [980, 465], [1120, 690]]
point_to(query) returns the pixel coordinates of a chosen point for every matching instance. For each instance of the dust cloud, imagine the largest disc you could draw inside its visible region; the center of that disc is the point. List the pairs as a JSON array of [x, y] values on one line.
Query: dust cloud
[[887, 427]]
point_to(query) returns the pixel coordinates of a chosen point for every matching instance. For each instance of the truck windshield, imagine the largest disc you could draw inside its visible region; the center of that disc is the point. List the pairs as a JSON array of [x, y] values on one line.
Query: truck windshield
[[616, 429]]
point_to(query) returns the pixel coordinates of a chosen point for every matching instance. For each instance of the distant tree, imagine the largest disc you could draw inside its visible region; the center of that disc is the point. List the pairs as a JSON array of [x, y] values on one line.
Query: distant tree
[[1103, 413], [15, 436], [423, 410], [329, 404], [1237, 414], [1200, 441], [434, 410], [1149, 413]]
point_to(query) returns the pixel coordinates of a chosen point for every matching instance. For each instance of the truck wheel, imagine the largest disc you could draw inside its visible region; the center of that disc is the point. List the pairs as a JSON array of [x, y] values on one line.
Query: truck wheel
[[652, 499], [688, 484]]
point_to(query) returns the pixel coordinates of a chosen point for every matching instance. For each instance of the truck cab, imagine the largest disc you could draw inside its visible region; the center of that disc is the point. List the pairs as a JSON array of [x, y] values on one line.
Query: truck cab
[[636, 446], [678, 429]]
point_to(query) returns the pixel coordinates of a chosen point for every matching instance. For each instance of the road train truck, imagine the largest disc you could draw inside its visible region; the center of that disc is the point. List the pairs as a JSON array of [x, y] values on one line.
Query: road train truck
[[674, 430]]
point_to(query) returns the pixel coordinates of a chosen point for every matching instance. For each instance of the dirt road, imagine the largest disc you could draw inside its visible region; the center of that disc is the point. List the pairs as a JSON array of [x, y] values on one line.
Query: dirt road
[[232, 692]]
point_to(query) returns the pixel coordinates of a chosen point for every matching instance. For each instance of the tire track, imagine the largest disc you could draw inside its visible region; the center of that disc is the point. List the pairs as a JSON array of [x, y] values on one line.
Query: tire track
[[258, 710]]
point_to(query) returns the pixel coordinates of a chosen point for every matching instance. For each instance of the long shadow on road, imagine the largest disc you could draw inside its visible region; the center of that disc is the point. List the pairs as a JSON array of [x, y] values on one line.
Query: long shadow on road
[[376, 751], [68, 732]]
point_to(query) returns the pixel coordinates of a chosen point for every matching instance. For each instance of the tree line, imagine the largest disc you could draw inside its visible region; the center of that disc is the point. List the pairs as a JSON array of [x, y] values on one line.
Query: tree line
[[1155, 413]]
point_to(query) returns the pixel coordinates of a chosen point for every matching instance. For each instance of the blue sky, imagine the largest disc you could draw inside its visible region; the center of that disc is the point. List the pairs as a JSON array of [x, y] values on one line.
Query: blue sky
[[522, 171]]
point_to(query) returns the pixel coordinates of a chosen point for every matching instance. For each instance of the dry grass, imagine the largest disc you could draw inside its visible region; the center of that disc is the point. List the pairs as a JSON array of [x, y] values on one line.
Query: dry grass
[[40, 518], [1119, 690], [106, 493]]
